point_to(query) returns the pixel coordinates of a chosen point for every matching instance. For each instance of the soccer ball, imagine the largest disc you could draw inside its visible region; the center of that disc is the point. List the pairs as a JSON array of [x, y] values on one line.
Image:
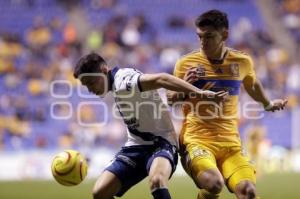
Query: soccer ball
[[69, 168]]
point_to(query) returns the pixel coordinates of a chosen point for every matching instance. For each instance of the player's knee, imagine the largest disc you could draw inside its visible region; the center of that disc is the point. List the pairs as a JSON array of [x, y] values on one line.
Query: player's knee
[[250, 191], [99, 193], [212, 183], [157, 181], [247, 189], [215, 186]]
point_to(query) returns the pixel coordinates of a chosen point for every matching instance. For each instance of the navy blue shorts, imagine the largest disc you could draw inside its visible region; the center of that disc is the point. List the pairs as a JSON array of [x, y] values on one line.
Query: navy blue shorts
[[132, 164]]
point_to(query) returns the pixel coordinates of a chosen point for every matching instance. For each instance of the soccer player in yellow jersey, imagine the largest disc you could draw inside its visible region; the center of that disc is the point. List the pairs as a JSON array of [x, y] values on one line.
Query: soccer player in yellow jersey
[[211, 150]]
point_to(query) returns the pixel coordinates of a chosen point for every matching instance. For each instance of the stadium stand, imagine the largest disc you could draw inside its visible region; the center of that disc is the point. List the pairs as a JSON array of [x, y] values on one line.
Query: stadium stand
[[39, 44]]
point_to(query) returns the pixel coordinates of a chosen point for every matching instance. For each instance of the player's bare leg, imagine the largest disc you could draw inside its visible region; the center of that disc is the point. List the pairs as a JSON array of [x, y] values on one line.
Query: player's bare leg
[[245, 190], [159, 174], [211, 183], [106, 186]]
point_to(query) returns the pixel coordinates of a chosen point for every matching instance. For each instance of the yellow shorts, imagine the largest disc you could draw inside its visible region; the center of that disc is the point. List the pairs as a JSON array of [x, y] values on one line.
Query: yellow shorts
[[232, 162]]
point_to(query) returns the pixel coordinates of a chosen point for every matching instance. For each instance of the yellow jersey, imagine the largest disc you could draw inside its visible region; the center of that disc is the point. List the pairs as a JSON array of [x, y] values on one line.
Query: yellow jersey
[[205, 120]]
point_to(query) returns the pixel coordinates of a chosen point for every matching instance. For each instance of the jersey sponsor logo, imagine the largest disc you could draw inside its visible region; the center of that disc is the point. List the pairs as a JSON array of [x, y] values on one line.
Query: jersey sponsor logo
[[201, 70], [234, 69]]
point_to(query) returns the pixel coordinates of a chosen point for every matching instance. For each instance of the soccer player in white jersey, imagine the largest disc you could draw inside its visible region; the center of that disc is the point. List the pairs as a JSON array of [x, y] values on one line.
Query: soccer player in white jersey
[[151, 149]]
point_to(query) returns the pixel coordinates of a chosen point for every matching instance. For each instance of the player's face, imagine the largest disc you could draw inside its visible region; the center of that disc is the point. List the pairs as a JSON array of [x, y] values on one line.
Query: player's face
[[96, 83], [211, 40]]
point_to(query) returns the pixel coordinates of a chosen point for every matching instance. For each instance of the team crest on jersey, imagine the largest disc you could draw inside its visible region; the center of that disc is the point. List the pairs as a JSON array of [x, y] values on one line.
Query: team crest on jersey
[[201, 70], [234, 69]]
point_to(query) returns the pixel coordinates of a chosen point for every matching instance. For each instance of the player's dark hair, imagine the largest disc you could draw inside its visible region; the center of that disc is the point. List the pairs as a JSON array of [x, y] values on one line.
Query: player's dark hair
[[214, 18], [90, 63]]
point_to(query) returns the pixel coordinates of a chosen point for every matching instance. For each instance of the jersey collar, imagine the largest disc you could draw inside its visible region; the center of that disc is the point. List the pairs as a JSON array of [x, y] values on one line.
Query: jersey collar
[[216, 61]]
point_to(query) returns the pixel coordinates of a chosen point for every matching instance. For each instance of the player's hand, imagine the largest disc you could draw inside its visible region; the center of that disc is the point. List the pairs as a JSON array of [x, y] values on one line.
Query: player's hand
[[276, 105], [191, 75], [217, 97]]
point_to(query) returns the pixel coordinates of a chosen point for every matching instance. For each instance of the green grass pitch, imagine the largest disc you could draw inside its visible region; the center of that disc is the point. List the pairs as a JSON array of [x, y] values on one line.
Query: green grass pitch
[[275, 186]]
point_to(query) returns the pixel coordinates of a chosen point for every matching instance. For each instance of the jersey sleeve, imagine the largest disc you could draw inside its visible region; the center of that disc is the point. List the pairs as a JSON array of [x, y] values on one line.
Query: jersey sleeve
[[178, 70], [128, 82], [250, 76]]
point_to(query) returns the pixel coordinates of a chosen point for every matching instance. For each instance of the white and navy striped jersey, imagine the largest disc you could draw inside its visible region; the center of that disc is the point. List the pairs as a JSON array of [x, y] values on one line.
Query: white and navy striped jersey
[[144, 113]]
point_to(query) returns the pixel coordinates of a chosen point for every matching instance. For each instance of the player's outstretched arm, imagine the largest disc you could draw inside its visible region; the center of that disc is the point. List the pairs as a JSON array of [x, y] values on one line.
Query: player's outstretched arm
[[170, 82], [190, 76], [256, 91]]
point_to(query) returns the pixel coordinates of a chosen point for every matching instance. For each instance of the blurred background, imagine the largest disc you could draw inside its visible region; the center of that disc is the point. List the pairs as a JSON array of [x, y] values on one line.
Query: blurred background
[[43, 110]]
